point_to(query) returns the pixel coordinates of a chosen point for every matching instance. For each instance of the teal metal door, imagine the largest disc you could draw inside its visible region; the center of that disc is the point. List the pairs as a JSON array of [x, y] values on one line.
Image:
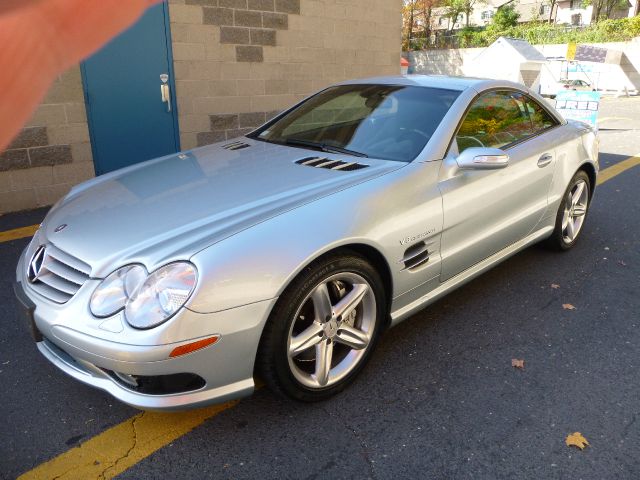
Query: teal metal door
[[129, 92]]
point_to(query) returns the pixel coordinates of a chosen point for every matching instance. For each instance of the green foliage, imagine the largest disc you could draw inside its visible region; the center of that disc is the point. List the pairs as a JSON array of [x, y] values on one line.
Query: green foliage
[[544, 33], [505, 17]]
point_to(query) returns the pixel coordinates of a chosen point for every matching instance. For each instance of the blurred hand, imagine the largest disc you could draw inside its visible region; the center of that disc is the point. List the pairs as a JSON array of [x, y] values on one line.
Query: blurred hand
[[39, 39]]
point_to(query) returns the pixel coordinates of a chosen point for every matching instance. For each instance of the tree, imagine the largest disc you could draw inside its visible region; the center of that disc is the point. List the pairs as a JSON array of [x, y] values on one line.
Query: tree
[[416, 20], [425, 8], [453, 9], [552, 5], [408, 22], [603, 8], [505, 17]]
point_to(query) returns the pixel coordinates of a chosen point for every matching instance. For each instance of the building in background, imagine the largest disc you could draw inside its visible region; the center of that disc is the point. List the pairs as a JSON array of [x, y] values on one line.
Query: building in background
[[561, 12], [190, 73]]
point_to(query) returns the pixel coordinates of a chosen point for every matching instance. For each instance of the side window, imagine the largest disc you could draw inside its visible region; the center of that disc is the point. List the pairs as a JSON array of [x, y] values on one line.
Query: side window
[[495, 119], [540, 118]]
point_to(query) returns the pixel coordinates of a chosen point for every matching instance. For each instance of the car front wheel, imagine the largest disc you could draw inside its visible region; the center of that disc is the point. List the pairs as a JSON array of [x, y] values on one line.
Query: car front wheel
[[572, 213], [322, 329]]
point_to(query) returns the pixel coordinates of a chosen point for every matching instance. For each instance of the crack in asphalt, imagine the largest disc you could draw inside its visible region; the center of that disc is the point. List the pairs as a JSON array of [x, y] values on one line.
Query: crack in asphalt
[[364, 449], [628, 426], [134, 436]]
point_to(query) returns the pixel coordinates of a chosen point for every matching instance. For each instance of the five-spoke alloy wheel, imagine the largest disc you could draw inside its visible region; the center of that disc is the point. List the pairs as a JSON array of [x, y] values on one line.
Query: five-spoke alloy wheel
[[323, 328], [572, 212], [575, 210]]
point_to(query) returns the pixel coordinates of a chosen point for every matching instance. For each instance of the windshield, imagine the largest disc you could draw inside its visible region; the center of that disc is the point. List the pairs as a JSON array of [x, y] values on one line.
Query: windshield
[[391, 122]]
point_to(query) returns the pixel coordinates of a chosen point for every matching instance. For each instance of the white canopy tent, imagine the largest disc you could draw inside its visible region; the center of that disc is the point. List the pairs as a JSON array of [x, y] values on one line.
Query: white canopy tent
[[508, 59]]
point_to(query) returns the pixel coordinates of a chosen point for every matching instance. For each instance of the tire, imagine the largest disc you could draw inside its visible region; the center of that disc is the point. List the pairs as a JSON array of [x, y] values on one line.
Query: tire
[[330, 341], [569, 225]]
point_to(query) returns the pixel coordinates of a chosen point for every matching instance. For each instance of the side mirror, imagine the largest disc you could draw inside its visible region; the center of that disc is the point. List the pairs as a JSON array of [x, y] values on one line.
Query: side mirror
[[481, 158]]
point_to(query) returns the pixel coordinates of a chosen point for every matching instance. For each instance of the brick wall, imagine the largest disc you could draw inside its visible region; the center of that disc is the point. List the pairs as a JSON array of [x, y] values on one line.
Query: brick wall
[[52, 153], [237, 62]]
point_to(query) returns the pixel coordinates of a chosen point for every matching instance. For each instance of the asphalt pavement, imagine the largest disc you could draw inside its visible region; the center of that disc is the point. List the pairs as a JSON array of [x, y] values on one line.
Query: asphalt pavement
[[439, 399]]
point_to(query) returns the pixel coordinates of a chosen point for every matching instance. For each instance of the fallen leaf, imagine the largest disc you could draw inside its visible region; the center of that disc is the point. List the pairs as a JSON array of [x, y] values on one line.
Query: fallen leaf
[[555, 285], [568, 306], [517, 363], [576, 440]]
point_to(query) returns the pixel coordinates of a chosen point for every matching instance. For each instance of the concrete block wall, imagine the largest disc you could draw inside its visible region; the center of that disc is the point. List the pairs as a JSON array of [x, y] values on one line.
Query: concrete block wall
[[238, 62], [625, 72], [52, 152]]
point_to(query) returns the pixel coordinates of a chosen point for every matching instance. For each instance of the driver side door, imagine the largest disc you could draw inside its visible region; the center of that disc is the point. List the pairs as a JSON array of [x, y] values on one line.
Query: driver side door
[[488, 210]]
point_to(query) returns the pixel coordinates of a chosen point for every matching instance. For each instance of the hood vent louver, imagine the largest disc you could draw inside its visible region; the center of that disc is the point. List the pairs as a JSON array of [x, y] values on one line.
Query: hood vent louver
[[236, 146], [329, 164]]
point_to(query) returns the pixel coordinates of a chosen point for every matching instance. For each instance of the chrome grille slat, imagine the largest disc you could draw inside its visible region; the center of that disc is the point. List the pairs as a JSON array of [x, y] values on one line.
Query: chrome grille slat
[[59, 275], [59, 283], [68, 260], [51, 293], [66, 272]]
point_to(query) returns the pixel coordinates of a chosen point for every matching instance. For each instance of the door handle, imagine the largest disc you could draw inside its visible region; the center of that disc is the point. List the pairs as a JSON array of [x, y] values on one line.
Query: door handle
[[165, 94], [545, 160]]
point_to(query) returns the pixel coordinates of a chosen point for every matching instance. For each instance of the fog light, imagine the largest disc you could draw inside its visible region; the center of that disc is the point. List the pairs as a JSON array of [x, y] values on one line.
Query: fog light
[[193, 346]]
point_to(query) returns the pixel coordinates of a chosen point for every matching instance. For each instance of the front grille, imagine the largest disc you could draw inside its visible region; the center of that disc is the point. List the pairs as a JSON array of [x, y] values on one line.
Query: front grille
[[59, 276]]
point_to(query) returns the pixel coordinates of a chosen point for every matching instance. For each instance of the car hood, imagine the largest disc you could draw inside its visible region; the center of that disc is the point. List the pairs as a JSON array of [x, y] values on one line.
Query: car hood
[[174, 206]]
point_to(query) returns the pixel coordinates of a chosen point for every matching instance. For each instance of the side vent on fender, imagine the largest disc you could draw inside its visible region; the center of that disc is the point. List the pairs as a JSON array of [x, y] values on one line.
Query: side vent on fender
[[236, 146], [324, 162], [415, 256]]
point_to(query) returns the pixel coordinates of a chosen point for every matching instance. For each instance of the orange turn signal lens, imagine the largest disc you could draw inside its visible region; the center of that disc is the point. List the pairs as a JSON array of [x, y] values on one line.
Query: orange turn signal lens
[[193, 346]]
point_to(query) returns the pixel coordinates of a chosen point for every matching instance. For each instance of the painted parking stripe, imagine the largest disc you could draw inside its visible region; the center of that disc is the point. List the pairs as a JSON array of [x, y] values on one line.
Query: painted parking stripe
[[615, 170], [18, 233], [120, 447]]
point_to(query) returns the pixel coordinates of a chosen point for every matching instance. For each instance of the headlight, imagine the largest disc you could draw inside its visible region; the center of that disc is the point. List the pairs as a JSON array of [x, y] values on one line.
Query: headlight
[[148, 300], [161, 295], [114, 291]]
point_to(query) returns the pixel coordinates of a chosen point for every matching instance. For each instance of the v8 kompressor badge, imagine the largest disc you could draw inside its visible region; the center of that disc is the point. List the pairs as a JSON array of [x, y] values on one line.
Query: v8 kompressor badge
[[411, 239]]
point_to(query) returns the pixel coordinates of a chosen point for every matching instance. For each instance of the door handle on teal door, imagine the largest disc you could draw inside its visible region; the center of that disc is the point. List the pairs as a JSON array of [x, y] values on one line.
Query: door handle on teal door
[[165, 95], [545, 160]]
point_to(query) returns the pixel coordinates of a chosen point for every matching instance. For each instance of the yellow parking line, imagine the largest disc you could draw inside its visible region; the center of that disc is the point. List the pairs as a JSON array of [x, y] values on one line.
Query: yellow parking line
[[122, 446], [615, 170], [115, 450], [18, 233]]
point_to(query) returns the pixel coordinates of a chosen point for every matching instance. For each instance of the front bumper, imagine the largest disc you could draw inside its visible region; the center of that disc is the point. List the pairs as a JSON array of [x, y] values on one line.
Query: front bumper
[[225, 367]]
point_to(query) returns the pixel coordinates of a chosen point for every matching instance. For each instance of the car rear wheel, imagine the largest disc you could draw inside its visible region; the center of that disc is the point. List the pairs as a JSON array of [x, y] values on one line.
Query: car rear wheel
[[323, 329], [572, 213]]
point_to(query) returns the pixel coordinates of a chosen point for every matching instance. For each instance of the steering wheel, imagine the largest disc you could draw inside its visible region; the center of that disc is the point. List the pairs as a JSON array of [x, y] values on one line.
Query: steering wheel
[[417, 132], [513, 137], [469, 138], [412, 135]]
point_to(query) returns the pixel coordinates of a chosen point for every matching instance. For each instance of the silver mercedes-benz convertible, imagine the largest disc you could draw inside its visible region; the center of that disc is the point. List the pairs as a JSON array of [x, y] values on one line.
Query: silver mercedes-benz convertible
[[285, 254]]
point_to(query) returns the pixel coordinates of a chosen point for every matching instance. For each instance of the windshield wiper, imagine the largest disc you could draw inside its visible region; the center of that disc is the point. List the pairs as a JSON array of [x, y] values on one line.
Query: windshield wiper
[[323, 147]]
